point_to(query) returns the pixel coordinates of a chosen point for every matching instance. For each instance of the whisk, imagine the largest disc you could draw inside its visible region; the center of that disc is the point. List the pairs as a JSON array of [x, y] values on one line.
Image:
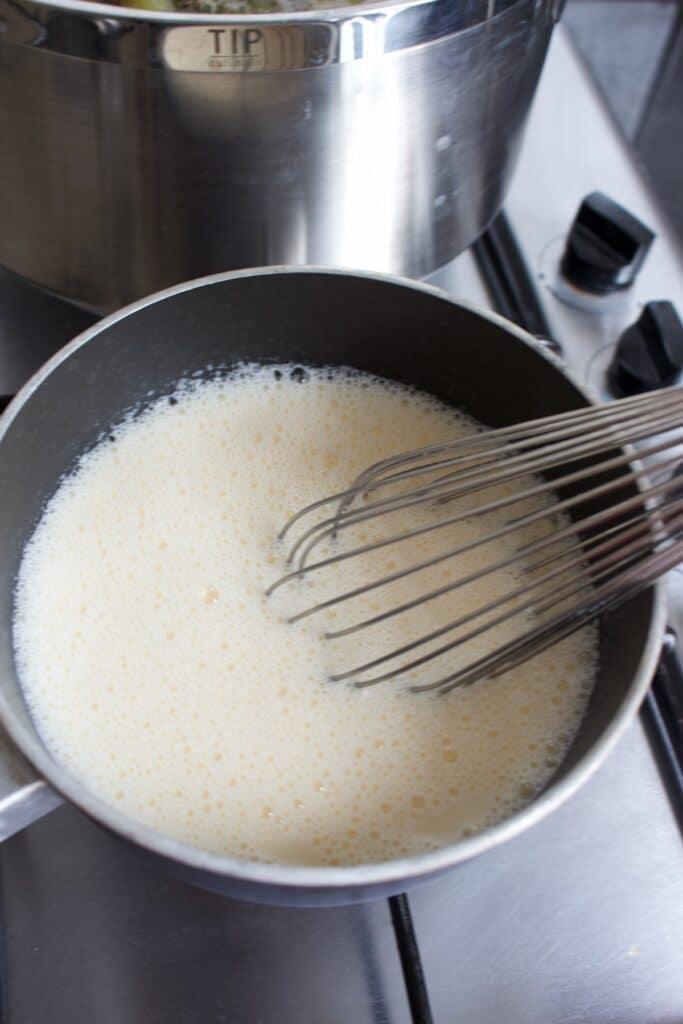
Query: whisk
[[614, 523]]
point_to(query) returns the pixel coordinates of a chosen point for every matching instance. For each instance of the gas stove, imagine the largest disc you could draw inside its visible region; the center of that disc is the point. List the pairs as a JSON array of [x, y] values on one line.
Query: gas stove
[[578, 919]]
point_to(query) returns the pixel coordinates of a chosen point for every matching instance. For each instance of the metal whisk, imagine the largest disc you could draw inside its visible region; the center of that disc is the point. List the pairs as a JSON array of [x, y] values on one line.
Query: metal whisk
[[616, 526]]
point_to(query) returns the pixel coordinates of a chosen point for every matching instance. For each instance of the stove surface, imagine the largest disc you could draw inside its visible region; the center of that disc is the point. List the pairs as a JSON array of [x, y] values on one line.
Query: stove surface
[[578, 920]]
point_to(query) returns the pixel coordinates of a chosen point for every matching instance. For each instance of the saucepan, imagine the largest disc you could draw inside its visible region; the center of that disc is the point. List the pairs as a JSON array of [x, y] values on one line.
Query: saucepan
[[409, 332]]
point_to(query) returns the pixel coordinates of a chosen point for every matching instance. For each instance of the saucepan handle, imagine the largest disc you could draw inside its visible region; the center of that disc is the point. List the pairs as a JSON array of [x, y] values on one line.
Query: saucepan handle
[[24, 796]]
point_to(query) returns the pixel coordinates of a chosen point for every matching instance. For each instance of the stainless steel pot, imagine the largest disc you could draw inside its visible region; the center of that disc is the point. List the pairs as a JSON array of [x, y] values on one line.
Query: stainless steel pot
[[143, 149], [408, 332]]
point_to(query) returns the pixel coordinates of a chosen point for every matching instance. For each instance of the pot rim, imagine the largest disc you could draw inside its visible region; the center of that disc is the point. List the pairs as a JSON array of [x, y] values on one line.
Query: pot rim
[[332, 15], [392, 874]]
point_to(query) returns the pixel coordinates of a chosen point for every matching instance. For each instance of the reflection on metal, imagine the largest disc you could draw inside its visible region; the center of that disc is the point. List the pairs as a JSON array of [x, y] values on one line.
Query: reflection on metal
[[177, 146], [103, 32], [24, 796]]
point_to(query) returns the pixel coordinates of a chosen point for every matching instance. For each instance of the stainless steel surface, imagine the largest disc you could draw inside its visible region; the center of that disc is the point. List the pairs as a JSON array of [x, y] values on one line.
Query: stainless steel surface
[[579, 920], [521, 935], [379, 136], [605, 557], [91, 933]]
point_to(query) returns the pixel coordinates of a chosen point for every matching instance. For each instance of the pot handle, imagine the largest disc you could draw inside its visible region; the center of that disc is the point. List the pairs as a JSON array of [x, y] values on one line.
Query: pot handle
[[24, 796]]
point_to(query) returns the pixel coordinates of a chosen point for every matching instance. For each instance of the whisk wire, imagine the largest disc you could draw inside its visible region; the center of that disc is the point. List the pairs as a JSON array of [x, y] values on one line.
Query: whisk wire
[[490, 478], [568, 464], [627, 407], [599, 570]]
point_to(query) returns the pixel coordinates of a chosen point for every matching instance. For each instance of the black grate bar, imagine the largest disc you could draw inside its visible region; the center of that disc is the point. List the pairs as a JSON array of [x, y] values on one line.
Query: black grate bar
[[411, 964], [663, 716], [507, 278]]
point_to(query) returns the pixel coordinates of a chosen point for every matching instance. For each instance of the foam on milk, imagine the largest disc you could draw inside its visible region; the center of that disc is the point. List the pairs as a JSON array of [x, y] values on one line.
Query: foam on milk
[[159, 675]]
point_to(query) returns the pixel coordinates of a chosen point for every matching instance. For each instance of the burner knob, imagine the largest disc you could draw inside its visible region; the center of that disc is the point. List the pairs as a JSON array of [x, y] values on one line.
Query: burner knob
[[649, 353], [605, 247]]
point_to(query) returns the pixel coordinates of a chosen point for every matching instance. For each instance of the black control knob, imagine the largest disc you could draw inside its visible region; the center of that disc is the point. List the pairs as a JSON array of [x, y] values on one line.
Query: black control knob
[[605, 247], [649, 353]]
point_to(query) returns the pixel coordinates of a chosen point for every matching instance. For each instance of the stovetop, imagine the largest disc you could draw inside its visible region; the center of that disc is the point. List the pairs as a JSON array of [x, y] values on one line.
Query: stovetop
[[580, 919]]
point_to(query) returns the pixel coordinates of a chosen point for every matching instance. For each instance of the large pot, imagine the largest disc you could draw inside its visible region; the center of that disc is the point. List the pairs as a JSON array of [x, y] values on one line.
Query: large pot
[[482, 364], [143, 149]]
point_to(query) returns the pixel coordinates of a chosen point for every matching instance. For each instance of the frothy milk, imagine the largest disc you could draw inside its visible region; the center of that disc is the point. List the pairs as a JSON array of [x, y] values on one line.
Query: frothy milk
[[158, 674]]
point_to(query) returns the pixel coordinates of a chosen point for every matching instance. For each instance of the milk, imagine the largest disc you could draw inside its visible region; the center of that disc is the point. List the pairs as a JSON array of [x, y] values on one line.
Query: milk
[[158, 673]]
